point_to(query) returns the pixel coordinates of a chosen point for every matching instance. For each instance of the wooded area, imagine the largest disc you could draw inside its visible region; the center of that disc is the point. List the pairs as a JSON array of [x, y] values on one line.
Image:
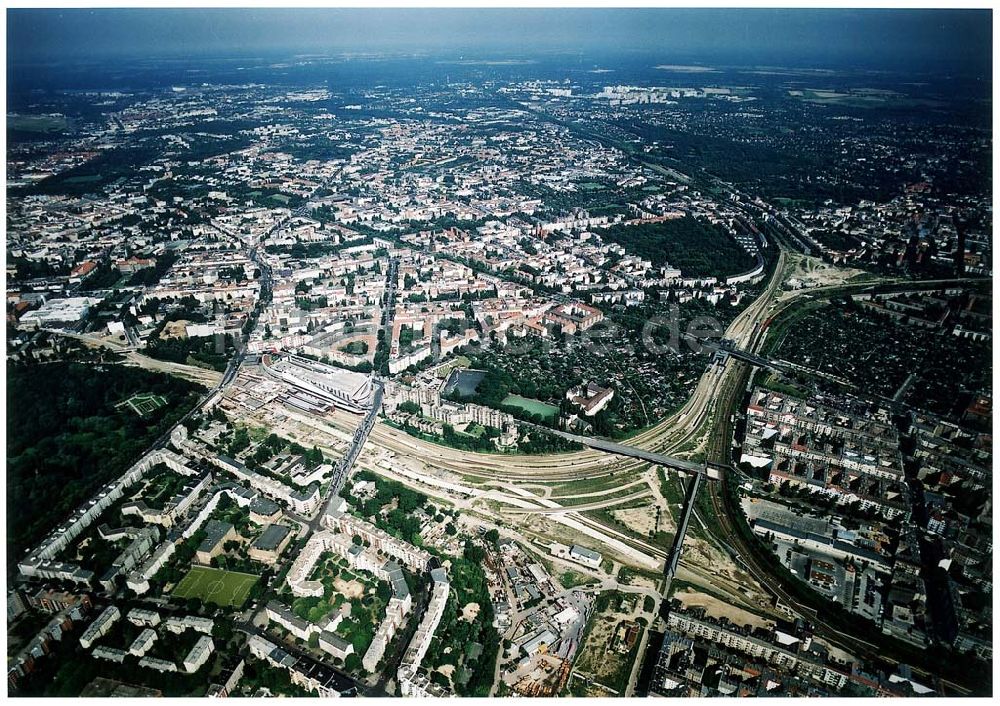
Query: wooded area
[[697, 247], [65, 437]]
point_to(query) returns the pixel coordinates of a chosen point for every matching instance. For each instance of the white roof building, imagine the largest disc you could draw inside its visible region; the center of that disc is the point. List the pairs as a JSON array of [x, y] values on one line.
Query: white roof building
[[199, 654], [141, 616], [159, 665], [141, 644], [585, 556], [112, 654], [100, 626]]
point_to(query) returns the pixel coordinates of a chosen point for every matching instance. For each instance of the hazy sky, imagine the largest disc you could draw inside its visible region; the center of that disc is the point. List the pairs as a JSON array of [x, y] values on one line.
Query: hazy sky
[[950, 40]]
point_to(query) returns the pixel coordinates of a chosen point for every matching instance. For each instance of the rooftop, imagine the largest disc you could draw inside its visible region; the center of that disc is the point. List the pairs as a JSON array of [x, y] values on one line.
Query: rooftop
[[271, 538], [215, 531]]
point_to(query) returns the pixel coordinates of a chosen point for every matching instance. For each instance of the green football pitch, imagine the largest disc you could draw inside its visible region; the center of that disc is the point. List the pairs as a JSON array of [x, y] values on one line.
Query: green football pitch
[[223, 588]]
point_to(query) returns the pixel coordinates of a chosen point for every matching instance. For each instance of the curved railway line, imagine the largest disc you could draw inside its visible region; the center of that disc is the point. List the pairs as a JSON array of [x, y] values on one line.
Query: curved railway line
[[671, 434], [747, 556], [705, 420]]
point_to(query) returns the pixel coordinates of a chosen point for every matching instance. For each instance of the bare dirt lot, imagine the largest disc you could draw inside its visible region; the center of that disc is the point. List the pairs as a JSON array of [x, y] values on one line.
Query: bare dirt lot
[[202, 376], [175, 329], [706, 566], [349, 589], [598, 660], [720, 609], [804, 272], [638, 519]]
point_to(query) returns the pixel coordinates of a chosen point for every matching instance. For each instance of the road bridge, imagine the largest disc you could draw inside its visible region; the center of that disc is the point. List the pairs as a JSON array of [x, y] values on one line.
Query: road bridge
[[678, 464], [346, 463], [754, 359], [728, 347]]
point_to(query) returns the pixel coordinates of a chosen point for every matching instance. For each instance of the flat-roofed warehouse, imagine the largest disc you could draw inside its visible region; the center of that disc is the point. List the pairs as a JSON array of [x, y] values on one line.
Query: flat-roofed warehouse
[[320, 383], [59, 313], [585, 556]]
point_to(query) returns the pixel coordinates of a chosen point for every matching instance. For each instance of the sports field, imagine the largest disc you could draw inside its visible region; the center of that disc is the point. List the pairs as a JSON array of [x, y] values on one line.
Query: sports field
[[531, 406], [223, 588], [143, 404]]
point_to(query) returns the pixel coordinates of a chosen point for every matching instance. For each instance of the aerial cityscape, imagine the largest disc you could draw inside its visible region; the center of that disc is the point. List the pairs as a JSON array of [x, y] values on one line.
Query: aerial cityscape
[[499, 353]]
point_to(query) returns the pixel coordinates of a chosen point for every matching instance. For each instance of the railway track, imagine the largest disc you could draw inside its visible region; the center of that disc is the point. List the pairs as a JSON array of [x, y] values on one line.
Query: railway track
[[747, 557], [746, 554]]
